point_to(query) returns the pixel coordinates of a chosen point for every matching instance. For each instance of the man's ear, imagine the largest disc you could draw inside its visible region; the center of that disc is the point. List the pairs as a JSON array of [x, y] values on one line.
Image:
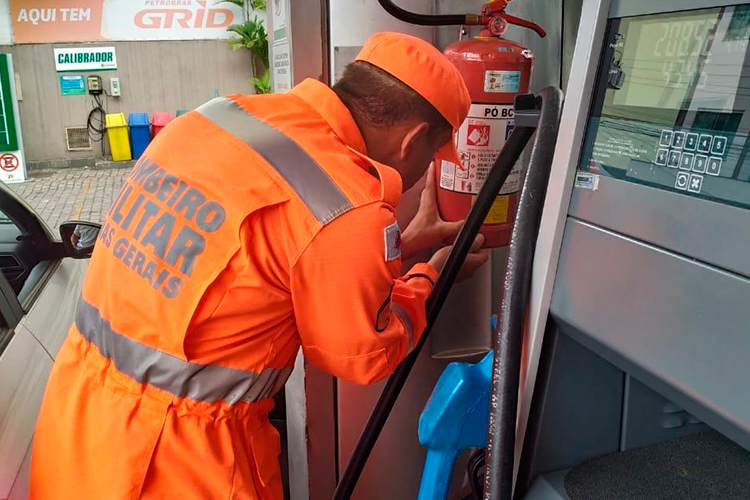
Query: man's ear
[[411, 139]]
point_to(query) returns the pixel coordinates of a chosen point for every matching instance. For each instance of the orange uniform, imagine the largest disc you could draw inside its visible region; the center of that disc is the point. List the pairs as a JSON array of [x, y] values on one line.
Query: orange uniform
[[252, 226]]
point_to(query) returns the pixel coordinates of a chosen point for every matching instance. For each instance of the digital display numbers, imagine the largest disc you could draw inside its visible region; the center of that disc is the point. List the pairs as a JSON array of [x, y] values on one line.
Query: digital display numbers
[[663, 60], [679, 49]]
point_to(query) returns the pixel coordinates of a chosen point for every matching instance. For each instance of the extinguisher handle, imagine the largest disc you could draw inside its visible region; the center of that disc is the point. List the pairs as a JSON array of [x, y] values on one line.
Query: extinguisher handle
[[524, 24]]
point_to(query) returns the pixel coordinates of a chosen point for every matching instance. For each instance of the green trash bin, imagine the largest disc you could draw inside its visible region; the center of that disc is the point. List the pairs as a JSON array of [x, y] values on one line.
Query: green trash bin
[[180, 112]]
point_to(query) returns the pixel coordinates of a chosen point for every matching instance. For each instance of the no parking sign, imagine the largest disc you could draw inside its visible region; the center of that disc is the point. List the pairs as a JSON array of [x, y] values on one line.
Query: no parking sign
[[9, 162], [11, 167]]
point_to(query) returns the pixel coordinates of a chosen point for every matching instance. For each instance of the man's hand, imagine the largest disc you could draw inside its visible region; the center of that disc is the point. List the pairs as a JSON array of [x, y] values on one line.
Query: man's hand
[[474, 260], [427, 229]]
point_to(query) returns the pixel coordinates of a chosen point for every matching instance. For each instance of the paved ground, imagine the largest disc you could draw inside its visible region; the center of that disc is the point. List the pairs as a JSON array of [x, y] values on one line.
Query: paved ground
[[72, 193]]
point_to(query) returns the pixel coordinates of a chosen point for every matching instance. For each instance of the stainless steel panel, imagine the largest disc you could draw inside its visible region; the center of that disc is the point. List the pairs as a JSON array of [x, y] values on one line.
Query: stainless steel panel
[[547, 51], [624, 8], [321, 432], [705, 230], [342, 56], [311, 432], [463, 330], [306, 26], [296, 431], [585, 58], [352, 22], [571, 16], [395, 466], [677, 325]]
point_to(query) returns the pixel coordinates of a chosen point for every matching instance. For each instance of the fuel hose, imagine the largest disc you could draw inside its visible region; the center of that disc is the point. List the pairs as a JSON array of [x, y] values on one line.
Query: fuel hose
[[427, 19], [508, 341]]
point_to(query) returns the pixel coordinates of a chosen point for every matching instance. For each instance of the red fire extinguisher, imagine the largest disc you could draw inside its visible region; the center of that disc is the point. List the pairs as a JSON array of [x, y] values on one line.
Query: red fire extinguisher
[[495, 70]]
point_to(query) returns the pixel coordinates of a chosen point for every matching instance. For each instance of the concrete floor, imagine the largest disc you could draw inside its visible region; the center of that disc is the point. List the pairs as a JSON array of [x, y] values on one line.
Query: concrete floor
[[71, 194]]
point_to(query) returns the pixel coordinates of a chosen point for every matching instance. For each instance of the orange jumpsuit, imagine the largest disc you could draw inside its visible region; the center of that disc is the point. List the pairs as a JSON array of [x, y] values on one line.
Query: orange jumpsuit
[[252, 227]]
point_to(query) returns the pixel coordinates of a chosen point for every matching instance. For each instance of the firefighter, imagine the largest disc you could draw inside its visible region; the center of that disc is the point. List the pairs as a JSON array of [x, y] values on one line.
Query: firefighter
[[251, 227]]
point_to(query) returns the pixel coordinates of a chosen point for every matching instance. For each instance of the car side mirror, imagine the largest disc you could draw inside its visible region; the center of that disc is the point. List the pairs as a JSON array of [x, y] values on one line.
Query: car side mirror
[[79, 238]]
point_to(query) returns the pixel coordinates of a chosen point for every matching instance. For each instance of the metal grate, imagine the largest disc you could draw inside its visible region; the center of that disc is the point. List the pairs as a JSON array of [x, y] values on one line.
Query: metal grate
[[78, 138]]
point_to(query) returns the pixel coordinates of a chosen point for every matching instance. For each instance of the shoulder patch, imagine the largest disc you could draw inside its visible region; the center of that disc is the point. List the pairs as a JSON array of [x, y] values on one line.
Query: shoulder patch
[[392, 237]]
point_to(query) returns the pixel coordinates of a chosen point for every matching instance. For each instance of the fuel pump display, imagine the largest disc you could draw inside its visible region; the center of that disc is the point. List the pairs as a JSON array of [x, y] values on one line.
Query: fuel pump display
[[679, 118], [495, 71]]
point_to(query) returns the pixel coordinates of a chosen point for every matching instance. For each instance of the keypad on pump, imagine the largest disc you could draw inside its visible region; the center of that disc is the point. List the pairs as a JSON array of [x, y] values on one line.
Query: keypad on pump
[[691, 141], [691, 152]]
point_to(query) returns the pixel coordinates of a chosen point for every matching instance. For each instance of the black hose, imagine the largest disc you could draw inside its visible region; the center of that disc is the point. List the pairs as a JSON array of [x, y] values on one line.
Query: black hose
[[424, 19], [508, 156], [506, 367], [96, 122]]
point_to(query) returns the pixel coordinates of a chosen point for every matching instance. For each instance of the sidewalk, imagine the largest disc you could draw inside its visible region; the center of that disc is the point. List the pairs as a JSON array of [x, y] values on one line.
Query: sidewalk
[[72, 193]]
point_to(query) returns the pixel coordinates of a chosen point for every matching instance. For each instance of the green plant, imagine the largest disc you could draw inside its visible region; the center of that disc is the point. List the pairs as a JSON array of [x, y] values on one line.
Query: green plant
[[263, 84], [252, 36]]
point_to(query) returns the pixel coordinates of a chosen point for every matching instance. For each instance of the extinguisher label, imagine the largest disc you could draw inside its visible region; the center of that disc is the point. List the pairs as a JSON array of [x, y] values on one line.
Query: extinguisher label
[[479, 140], [502, 81]]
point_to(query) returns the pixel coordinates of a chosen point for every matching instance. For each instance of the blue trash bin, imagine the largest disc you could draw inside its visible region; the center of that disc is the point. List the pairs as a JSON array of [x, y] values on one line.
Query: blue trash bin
[[140, 135]]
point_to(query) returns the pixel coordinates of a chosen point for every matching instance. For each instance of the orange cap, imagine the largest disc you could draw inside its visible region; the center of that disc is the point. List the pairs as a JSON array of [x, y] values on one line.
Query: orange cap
[[428, 72]]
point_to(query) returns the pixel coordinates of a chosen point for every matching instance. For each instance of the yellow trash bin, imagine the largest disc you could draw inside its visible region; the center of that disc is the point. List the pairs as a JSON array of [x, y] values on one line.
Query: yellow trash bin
[[117, 132]]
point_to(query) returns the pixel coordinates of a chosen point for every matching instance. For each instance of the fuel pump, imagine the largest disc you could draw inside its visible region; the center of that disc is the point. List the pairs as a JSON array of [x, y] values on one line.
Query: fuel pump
[[495, 70]]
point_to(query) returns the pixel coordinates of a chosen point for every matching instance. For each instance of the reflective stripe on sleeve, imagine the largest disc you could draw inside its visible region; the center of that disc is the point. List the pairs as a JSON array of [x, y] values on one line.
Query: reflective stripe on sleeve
[[405, 319]]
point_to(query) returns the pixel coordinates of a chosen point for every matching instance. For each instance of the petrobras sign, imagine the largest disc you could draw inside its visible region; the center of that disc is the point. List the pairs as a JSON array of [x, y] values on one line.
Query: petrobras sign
[[85, 59], [167, 19], [60, 21]]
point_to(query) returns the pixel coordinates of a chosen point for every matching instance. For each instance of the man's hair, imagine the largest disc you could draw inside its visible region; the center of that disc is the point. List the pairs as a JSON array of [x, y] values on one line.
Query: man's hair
[[379, 99]]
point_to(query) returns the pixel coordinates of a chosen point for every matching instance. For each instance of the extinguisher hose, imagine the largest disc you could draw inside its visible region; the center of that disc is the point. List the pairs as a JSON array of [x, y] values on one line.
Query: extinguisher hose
[[425, 19], [507, 158], [508, 341]]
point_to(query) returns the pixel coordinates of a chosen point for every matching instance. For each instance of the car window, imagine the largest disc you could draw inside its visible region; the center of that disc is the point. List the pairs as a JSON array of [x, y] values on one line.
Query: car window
[[9, 230], [10, 312], [11, 248], [21, 262]]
